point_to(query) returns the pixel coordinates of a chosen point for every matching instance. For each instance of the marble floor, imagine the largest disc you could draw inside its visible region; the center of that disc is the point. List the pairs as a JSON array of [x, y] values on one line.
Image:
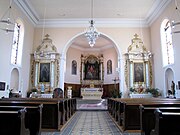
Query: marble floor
[[92, 118]]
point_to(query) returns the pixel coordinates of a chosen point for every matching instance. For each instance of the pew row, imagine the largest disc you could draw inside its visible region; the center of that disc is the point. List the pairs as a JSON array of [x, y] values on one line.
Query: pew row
[[147, 116], [127, 113], [13, 122], [32, 116], [167, 123], [55, 112]]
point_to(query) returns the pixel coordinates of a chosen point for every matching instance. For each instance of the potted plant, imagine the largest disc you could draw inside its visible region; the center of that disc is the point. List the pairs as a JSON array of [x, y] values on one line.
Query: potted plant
[[154, 91]]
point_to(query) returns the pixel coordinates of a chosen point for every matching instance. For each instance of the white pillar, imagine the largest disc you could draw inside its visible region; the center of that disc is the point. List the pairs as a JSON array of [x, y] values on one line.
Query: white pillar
[[147, 74], [62, 68], [36, 74], [131, 74], [52, 75]]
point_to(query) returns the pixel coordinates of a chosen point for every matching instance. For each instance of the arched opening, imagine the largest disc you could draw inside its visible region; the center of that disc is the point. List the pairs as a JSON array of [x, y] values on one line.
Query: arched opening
[[14, 83], [169, 77], [78, 46]]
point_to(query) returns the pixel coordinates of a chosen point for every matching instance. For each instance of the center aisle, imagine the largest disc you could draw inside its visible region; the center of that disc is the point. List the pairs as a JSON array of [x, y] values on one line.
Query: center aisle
[[91, 123], [91, 118]]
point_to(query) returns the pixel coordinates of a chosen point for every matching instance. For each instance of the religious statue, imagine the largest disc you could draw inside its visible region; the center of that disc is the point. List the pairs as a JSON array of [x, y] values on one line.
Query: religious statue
[[173, 88]]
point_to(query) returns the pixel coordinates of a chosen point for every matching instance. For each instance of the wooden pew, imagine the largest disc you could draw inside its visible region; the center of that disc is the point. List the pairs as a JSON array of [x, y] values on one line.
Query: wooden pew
[[55, 111], [13, 123], [128, 110], [33, 115], [167, 123], [147, 116]]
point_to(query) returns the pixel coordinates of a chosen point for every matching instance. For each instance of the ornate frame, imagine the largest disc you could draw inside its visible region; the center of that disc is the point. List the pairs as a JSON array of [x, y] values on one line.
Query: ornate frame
[[46, 53], [137, 54], [91, 59]]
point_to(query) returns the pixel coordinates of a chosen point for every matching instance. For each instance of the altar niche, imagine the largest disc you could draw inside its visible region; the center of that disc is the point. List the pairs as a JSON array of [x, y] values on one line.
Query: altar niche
[[92, 71]]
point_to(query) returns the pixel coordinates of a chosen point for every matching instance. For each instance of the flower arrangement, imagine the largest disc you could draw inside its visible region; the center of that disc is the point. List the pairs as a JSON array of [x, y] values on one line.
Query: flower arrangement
[[140, 90]]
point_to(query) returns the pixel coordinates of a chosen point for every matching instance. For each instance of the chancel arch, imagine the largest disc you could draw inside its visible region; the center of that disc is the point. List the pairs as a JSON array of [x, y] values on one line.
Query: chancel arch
[[79, 46]]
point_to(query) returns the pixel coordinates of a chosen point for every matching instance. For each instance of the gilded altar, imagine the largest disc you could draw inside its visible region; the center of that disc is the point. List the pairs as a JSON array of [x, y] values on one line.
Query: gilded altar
[[45, 67]]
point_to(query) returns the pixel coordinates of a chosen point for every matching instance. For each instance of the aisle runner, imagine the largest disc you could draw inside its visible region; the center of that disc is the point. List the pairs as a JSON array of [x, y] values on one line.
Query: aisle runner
[[91, 123]]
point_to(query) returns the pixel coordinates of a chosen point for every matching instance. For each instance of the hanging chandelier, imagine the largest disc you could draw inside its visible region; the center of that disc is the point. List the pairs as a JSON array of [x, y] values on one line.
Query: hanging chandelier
[[7, 20], [91, 33]]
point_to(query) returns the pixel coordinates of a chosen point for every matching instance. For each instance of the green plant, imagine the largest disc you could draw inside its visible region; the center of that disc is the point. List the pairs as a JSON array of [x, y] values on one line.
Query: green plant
[[132, 89], [34, 90], [153, 91]]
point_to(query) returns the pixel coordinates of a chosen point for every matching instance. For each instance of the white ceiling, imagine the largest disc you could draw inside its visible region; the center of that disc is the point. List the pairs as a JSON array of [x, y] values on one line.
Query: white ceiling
[[106, 12], [111, 13]]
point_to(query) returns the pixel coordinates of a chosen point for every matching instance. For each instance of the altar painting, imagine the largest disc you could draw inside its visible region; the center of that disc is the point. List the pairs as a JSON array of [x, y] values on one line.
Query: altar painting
[[92, 71]]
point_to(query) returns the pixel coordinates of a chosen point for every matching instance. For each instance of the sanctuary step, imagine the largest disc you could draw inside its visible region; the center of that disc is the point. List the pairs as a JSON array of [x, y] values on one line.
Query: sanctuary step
[[88, 104]]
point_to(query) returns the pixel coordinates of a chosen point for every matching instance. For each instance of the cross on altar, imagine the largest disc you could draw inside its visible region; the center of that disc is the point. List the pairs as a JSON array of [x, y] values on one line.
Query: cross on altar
[[115, 80]]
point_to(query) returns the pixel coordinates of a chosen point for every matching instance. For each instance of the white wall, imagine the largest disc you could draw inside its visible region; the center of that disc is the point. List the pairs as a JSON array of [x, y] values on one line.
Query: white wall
[[63, 38], [5, 51], [110, 54], [159, 70], [75, 54]]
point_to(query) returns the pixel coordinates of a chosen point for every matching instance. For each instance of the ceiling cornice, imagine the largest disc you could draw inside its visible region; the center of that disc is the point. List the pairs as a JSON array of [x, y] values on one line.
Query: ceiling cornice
[[154, 12], [92, 49], [100, 22]]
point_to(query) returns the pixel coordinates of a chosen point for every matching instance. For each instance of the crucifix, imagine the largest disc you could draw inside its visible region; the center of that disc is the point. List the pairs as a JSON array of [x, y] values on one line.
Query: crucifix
[[115, 80]]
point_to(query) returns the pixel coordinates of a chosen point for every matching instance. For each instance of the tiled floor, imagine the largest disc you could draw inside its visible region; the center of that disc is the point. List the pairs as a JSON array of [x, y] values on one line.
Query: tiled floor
[[92, 118], [92, 123]]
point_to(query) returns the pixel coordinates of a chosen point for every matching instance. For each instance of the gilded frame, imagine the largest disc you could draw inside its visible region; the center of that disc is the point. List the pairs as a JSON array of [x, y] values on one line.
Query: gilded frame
[[44, 72], [139, 72]]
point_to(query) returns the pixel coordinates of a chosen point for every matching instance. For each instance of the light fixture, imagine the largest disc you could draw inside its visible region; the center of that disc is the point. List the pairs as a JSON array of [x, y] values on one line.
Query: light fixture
[[176, 23], [7, 22], [91, 33]]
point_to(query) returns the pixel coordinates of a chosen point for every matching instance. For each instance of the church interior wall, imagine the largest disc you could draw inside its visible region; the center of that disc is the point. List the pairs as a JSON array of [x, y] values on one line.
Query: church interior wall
[[5, 52], [159, 70]]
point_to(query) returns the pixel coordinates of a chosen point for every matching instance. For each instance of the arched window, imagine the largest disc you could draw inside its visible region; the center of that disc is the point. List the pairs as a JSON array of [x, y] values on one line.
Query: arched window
[[166, 43], [74, 67], [17, 46]]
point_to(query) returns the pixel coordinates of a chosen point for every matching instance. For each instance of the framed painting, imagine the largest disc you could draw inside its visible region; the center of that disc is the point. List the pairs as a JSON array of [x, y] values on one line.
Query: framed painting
[[74, 67], [138, 72], [2, 86], [44, 72], [92, 71], [109, 67]]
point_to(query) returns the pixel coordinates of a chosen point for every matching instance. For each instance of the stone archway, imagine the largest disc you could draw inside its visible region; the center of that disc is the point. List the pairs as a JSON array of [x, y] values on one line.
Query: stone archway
[[119, 69]]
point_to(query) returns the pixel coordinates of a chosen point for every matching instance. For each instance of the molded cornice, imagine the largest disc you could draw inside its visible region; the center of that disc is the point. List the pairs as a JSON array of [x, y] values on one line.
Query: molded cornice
[[154, 12]]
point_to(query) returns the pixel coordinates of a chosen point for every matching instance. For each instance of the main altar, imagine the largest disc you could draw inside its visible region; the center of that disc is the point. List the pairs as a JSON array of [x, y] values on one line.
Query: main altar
[[91, 93], [92, 76]]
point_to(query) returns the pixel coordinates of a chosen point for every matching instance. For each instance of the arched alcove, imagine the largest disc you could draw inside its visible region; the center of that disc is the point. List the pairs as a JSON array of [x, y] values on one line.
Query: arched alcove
[[80, 42], [14, 83], [169, 77]]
